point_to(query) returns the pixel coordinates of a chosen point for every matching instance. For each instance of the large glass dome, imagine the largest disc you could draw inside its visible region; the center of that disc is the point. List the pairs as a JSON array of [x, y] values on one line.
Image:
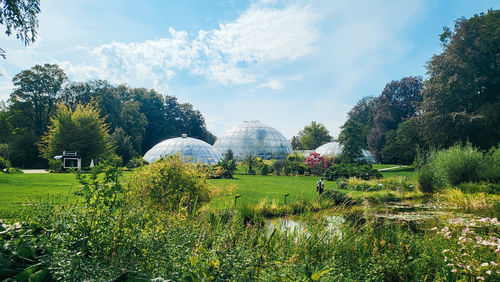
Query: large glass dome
[[334, 149], [256, 139], [192, 149]]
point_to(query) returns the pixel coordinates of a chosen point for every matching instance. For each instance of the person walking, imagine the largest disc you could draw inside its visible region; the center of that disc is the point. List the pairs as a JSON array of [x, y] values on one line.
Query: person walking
[[320, 186]]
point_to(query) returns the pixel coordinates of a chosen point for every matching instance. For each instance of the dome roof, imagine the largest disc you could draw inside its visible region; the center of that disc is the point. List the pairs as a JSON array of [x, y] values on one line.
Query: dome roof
[[256, 139], [194, 150], [334, 148]]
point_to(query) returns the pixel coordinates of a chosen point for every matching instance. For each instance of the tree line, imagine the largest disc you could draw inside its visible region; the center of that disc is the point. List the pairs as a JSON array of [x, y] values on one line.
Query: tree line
[[459, 102], [136, 118]]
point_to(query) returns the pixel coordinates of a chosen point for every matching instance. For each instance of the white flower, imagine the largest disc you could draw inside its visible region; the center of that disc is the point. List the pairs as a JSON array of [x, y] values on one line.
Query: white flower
[[484, 264]]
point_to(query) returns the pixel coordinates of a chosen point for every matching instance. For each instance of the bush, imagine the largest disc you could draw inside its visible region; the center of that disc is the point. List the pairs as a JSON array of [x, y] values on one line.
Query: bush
[[348, 170], [55, 165], [265, 170], [13, 170], [169, 184], [338, 197], [456, 165], [491, 169], [425, 179], [4, 163], [136, 162]]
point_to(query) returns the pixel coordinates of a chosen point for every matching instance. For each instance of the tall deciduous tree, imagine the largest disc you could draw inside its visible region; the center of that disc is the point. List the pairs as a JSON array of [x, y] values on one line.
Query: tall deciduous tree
[[81, 130], [36, 93], [313, 136], [398, 102], [19, 17], [462, 94]]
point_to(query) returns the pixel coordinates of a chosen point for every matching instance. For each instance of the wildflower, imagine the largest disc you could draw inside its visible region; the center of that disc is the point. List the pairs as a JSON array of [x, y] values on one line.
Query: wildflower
[[453, 270], [493, 263], [480, 278], [445, 251], [449, 264], [434, 228], [488, 272], [484, 264]]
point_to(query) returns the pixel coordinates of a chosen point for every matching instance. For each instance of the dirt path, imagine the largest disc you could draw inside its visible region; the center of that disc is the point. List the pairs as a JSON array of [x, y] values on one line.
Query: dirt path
[[35, 171]]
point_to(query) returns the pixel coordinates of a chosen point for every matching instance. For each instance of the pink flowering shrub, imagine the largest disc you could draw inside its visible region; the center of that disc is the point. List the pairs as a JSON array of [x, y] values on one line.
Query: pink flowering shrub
[[316, 163], [474, 254]]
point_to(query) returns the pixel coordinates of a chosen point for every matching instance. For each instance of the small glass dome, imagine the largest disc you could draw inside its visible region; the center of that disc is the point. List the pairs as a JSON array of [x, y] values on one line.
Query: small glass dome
[[192, 149], [256, 139], [334, 149]]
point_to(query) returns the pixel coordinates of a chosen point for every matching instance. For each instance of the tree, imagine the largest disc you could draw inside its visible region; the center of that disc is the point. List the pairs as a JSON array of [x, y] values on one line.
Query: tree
[[313, 136], [295, 142], [352, 140], [81, 130], [461, 96], [36, 93], [228, 155], [19, 16], [402, 144], [123, 145], [398, 102]]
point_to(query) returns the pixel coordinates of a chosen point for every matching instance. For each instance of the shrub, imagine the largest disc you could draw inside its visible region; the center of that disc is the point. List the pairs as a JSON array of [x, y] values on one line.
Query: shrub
[[169, 183], [225, 168], [351, 170], [278, 166], [491, 169], [13, 170], [338, 197], [136, 162], [425, 179], [4, 163], [55, 165], [456, 164], [265, 170]]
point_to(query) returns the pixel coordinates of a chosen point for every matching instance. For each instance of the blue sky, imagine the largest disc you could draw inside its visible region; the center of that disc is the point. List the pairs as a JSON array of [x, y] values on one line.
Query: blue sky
[[285, 63]]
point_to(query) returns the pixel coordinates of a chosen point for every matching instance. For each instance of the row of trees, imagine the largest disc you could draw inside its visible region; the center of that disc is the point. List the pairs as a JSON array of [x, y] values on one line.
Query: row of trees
[[137, 118], [459, 101]]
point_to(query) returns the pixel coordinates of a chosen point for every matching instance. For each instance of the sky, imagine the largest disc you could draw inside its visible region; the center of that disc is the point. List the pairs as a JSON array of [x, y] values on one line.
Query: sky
[[285, 63]]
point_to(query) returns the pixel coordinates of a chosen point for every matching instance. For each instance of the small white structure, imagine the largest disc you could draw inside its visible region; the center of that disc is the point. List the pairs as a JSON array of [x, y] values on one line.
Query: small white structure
[[70, 159]]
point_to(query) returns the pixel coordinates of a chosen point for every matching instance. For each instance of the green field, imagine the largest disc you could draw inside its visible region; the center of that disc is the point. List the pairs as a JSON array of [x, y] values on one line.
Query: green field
[[19, 190]]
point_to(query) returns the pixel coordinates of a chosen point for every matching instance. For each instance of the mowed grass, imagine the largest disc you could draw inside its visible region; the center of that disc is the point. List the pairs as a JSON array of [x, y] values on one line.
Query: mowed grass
[[254, 188], [18, 191]]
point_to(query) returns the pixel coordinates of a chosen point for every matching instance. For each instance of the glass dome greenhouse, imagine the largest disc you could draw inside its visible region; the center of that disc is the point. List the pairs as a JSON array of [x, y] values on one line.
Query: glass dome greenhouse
[[256, 139], [334, 148], [192, 149]]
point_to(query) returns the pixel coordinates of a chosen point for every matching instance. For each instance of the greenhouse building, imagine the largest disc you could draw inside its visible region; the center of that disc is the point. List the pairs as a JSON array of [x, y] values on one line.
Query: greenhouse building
[[256, 139], [191, 149], [334, 149]]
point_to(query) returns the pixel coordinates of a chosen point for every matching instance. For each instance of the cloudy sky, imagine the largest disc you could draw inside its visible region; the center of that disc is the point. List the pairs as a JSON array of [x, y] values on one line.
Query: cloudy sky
[[285, 63]]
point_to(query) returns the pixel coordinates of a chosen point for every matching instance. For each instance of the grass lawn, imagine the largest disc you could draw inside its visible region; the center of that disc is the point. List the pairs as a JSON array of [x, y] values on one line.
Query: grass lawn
[[254, 188], [400, 171], [17, 190]]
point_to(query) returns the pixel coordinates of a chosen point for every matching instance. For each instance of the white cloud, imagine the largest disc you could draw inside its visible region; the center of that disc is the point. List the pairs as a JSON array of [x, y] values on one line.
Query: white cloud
[[273, 84], [235, 53]]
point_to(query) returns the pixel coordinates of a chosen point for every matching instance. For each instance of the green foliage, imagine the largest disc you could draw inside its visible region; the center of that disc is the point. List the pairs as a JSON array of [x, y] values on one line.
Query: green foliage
[[337, 197], [278, 166], [456, 165], [265, 169], [55, 165], [20, 16], [461, 95], [227, 168], [123, 145], [401, 145], [425, 179], [136, 162], [4, 163], [169, 184], [250, 161], [398, 102], [13, 170], [347, 170], [313, 136], [228, 155], [81, 130]]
